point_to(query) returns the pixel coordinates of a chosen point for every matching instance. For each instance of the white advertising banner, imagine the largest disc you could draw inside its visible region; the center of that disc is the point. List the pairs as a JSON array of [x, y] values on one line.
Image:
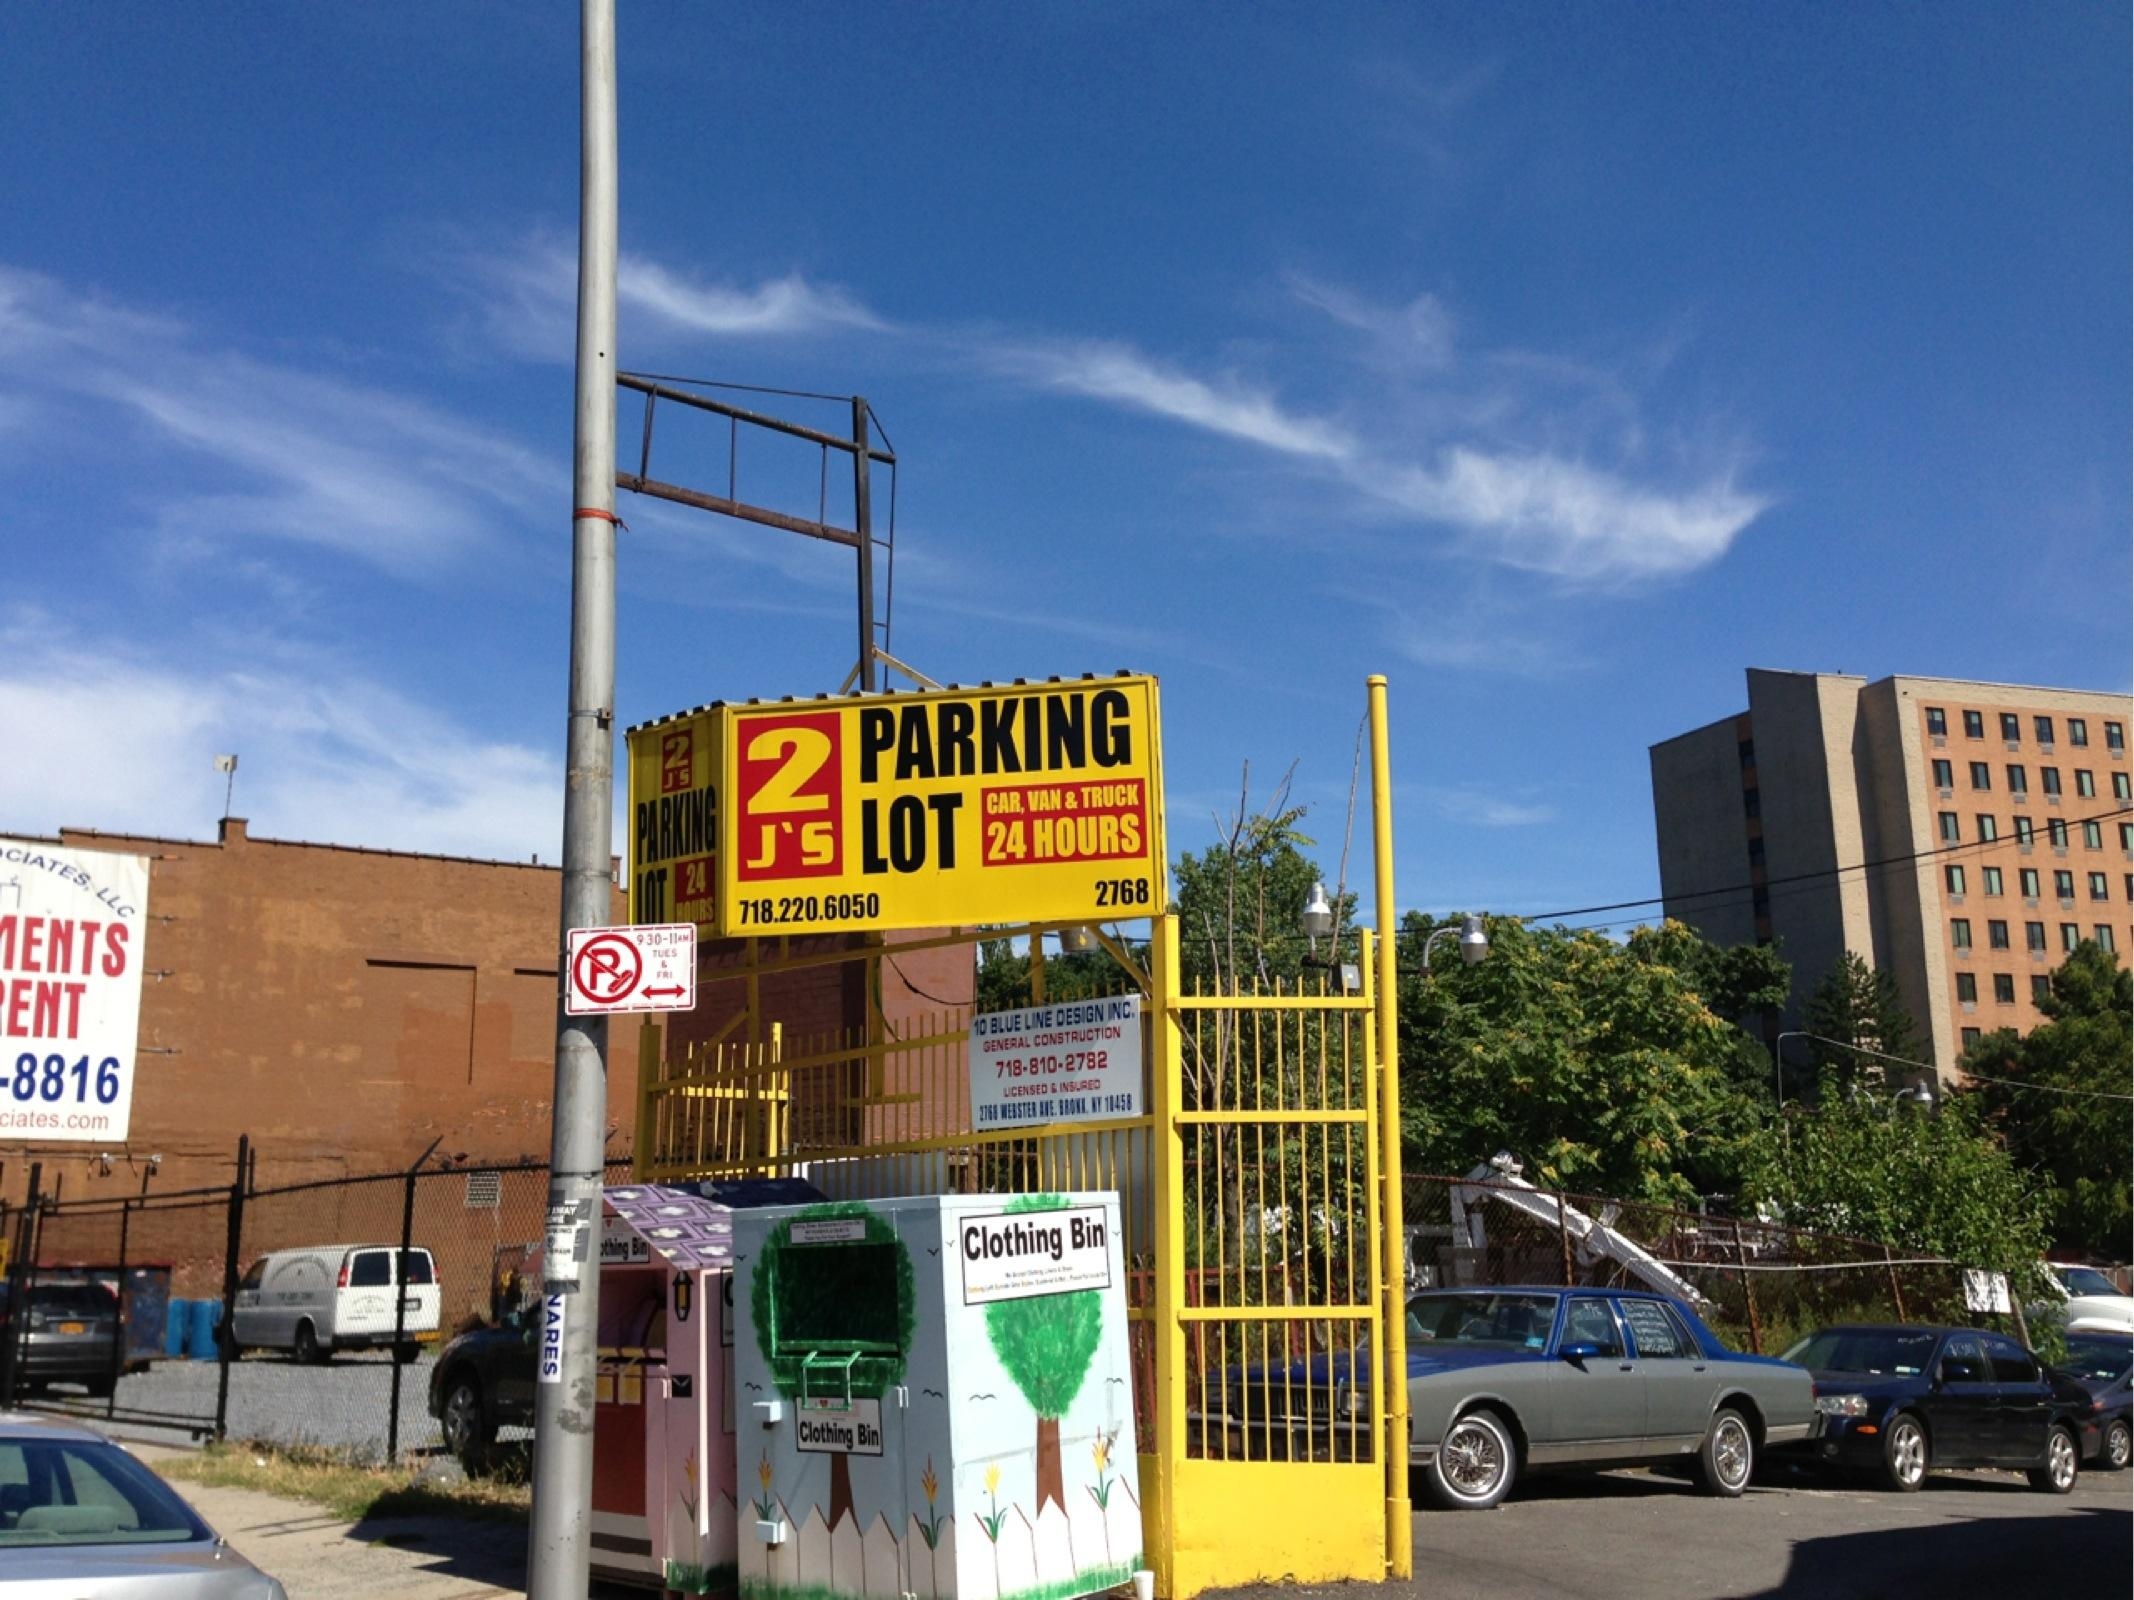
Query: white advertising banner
[[72, 927], [1077, 1061]]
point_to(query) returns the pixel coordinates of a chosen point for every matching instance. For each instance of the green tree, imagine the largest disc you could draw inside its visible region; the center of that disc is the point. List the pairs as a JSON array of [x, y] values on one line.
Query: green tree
[[1930, 1181], [1241, 901], [804, 1286], [1737, 982], [1047, 1343], [1856, 1004], [1597, 1063], [2063, 1112], [1004, 976]]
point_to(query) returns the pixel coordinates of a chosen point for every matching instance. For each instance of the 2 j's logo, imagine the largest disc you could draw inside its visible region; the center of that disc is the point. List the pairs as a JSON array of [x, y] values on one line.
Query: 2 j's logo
[[789, 797], [677, 761]]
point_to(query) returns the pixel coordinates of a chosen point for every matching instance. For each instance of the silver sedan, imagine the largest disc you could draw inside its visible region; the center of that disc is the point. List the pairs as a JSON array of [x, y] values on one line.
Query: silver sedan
[[80, 1516]]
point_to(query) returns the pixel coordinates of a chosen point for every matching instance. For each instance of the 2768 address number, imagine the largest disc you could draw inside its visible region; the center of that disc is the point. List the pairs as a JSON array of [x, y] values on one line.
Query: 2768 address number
[[809, 908]]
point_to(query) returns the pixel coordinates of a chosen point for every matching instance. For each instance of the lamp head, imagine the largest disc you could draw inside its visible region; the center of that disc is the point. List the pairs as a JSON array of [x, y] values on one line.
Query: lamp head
[[1474, 939], [1077, 941], [1318, 915]]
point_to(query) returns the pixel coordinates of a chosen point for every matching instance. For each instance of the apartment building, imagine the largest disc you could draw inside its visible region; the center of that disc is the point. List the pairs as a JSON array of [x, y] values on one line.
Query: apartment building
[[1962, 836]]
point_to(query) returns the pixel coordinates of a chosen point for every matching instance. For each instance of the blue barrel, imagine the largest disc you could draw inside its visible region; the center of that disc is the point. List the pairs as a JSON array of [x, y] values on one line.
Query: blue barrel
[[200, 1340], [177, 1315]]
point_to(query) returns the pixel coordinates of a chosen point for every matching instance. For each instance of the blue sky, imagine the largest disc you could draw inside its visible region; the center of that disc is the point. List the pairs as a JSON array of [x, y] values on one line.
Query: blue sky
[[1557, 362]]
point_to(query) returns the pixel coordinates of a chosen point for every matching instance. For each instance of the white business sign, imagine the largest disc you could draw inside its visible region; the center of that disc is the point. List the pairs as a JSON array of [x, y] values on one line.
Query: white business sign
[[72, 928], [631, 969], [1986, 1291], [554, 1309], [839, 1428], [1077, 1061], [1018, 1255], [622, 1245]]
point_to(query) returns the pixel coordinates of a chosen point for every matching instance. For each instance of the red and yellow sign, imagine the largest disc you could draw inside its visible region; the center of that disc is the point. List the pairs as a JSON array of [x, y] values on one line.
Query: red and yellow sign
[[674, 809], [1029, 803]]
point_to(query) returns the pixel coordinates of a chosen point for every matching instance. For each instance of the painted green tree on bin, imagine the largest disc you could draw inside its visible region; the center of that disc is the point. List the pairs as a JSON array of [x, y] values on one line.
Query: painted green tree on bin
[[1047, 1344], [815, 1278]]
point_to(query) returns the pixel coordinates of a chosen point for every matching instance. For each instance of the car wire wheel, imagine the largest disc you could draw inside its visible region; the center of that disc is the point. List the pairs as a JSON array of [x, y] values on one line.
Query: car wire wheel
[[461, 1419], [1904, 1454], [1729, 1455], [2118, 1445], [1474, 1464]]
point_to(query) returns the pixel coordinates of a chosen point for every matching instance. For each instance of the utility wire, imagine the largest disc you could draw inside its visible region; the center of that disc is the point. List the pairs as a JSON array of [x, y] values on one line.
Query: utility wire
[[1928, 1066]]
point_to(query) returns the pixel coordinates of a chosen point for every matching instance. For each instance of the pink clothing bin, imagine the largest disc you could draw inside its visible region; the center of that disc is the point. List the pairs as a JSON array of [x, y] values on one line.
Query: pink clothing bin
[[663, 1414]]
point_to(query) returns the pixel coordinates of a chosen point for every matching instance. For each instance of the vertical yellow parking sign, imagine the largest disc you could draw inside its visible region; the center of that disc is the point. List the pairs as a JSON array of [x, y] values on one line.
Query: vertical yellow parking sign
[[674, 808]]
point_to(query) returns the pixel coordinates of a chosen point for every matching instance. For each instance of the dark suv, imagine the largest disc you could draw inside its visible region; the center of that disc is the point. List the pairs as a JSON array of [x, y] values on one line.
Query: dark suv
[[483, 1381], [71, 1335]]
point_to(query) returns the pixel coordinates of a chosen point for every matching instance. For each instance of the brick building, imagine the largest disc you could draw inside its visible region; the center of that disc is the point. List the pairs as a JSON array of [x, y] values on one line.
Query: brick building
[[346, 1006], [1962, 836]]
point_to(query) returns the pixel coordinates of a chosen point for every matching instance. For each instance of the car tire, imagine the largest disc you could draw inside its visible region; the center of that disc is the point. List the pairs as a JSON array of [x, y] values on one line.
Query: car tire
[[1475, 1463], [463, 1419], [1727, 1458], [307, 1351], [1906, 1454], [2118, 1446], [2062, 1463]]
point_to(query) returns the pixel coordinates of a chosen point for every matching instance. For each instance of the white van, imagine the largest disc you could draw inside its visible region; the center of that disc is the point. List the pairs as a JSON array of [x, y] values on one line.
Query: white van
[[331, 1297]]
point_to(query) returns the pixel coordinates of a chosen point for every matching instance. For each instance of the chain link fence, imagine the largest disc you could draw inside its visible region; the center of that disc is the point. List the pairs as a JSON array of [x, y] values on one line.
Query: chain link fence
[[302, 1315]]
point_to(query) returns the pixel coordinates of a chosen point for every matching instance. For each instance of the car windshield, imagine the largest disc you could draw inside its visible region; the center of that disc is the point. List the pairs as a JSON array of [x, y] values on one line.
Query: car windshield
[[2099, 1357], [1879, 1352], [1503, 1321], [73, 1299], [2087, 1280], [85, 1492]]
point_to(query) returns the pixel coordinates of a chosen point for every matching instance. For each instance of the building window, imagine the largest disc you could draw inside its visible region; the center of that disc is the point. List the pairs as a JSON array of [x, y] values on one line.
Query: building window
[[1960, 932], [1988, 829], [1937, 721], [2049, 779], [2018, 779], [2034, 935], [2078, 730], [1756, 851], [2030, 883], [2120, 787], [2023, 832], [2126, 836], [2011, 726], [2004, 988], [2085, 783], [2104, 936], [1944, 775], [1996, 935], [1950, 831], [2044, 727], [1970, 1037], [2115, 736], [2098, 891], [2040, 988], [1992, 875], [2070, 936], [1751, 803], [1981, 775], [2130, 888], [1746, 750], [1760, 900], [2093, 836], [1952, 879], [1967, 988], [1974, 725], [2063, 885], [2056, 831]]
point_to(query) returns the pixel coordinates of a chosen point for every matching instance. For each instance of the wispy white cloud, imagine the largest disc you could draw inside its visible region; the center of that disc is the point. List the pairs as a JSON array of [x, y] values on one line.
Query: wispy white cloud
[[288, 453], [1420, 332], [127, 744], [528, 301], [1476, 805], [1109, 370]]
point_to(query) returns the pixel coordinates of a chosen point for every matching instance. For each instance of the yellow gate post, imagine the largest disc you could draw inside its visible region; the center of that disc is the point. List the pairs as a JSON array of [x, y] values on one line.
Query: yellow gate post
[[1400, 1528], [1159, 1510]]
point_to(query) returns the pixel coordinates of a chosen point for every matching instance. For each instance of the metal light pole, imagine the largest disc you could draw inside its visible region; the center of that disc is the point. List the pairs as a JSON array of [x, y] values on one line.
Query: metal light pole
[[559, 1544]]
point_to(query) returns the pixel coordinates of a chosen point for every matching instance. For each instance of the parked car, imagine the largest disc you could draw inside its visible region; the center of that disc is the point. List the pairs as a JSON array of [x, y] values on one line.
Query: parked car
[[483, 1381], [1899, 1400], [1502, 1382], [70, 1335], [2086, 1301], [2102, 1366], [80, 1516], [323, 1298]]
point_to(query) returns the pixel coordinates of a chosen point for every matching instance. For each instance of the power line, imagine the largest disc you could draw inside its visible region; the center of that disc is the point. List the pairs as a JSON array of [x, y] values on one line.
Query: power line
[[1928, 1066], [1816, 876]]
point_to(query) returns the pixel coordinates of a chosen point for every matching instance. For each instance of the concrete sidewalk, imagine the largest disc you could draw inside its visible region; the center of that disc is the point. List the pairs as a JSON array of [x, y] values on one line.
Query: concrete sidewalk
[[319, 1556]]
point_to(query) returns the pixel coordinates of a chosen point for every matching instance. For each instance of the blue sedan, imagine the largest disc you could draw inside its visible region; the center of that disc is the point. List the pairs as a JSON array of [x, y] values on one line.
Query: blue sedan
[[1503, 1381], [1899, 1400]]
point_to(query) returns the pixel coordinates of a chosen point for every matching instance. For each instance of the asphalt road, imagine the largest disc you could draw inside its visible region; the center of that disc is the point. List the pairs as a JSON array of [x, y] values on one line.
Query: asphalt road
[[1633, 1536]]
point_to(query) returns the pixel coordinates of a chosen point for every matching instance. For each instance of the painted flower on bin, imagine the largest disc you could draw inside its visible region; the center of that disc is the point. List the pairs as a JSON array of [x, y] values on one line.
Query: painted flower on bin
[[929, 1485]]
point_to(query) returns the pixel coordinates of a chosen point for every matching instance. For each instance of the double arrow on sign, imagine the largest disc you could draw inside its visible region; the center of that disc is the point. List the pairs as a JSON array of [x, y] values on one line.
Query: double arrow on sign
[[652, 994]]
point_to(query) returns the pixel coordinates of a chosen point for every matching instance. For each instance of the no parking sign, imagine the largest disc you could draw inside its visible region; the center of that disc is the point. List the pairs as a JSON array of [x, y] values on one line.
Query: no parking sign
[[631, 969]]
